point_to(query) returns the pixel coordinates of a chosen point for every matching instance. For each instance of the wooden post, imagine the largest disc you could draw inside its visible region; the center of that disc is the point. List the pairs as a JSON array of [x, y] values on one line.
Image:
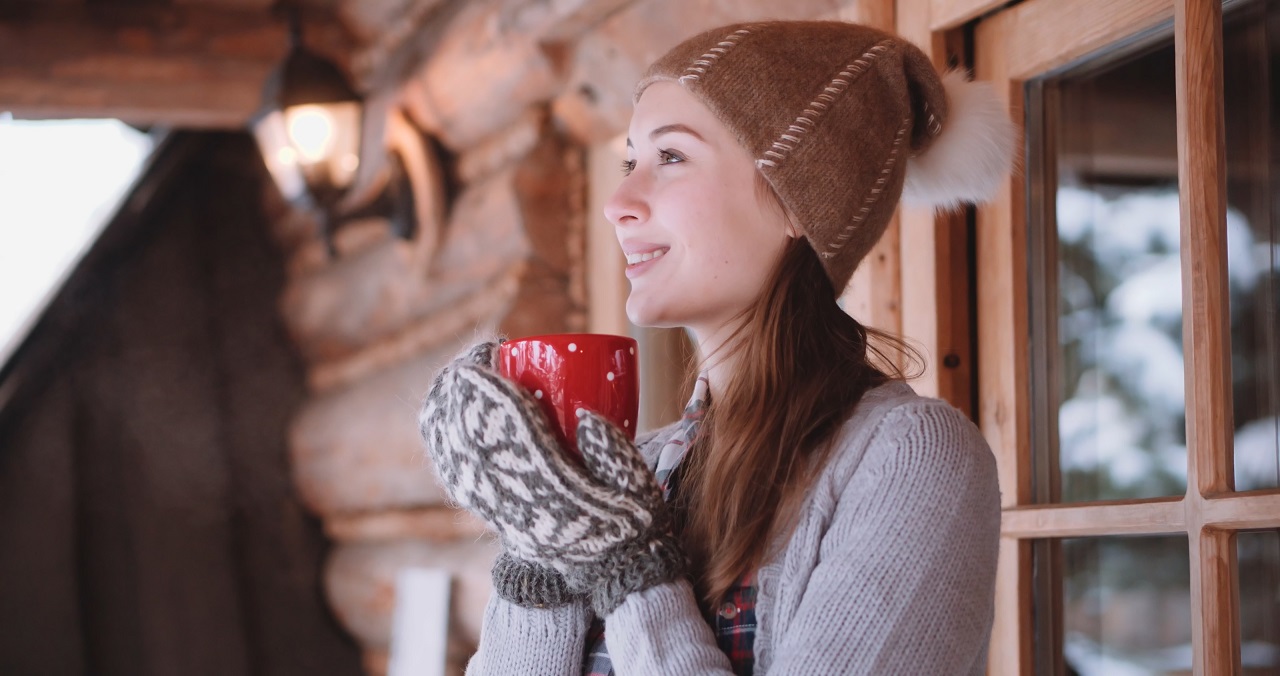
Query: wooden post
[[1202, 169], [874, 295], [1004, 412], [933, 259], [184, 66]]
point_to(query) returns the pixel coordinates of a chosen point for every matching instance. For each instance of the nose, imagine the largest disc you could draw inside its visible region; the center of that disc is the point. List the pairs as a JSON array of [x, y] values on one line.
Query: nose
[[627, 205]]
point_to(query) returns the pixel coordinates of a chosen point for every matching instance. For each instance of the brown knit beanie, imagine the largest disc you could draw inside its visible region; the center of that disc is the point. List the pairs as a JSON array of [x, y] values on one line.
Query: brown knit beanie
[[839, 116]]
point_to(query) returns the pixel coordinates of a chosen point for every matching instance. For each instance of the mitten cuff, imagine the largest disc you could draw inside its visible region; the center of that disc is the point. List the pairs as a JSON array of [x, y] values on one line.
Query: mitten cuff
[[528, 584], [629, 570]]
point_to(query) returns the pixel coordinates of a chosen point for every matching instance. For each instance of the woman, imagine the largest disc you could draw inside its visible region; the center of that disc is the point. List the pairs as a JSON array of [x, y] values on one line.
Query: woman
[[810, 514]]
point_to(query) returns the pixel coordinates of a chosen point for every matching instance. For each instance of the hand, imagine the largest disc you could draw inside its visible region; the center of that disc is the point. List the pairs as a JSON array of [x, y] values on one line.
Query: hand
[[522, 582], [647, 560], [602, 525]]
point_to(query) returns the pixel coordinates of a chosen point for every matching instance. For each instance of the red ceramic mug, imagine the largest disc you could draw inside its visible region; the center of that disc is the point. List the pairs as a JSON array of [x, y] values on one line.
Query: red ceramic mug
[[568, 371]]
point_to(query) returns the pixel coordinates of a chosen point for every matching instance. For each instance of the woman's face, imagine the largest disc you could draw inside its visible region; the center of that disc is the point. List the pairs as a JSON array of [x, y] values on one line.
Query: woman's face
[[699, 237]]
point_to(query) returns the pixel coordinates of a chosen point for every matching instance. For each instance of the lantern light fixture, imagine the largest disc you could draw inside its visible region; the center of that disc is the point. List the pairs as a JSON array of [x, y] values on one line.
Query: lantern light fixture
[[309, 126]]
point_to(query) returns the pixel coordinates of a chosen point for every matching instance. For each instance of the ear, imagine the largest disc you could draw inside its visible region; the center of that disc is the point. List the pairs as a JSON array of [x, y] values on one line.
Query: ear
[[790, 229], [789, 221]]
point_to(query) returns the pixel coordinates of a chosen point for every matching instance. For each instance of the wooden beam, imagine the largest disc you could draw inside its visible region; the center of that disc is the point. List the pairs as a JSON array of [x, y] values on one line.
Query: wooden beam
[[147, 65], [1202, 176], [1206, 332], [1215, 603], [238, 4], [1133, 517], [880, 14], [1004, 410], [1012, 648], [1242, 511], [874, 295], [934, 266], [948, 14], [433, 524], [1003, 340], [1078, 28]]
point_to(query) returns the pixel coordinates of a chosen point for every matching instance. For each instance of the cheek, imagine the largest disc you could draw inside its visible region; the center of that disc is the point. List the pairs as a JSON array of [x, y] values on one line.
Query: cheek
[[751, 242], [728, 240]]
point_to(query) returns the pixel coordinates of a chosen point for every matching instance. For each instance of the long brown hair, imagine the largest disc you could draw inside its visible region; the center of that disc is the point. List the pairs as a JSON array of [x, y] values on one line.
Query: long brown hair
[[801, 364]]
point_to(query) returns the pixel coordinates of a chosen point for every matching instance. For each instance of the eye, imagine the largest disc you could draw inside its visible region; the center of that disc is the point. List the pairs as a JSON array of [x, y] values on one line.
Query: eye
[[628, 166], [669, 157]]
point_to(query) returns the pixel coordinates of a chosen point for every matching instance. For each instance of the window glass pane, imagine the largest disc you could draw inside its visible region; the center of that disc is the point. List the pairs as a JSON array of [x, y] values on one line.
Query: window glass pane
[[1126, 606], [1110, 281], [1251, 64], [1259, 555]]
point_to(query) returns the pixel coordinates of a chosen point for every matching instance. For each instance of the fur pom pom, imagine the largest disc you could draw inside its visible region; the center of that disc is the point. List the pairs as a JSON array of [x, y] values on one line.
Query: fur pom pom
[[974, 151]]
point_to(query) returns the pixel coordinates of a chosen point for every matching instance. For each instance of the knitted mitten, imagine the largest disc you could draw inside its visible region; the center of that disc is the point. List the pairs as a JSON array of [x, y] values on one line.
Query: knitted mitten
[[601, 524], [519, 581]]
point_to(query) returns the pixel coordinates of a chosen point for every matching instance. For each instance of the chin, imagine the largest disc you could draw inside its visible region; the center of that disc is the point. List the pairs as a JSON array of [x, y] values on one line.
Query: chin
[[643, 311], [637, 315]]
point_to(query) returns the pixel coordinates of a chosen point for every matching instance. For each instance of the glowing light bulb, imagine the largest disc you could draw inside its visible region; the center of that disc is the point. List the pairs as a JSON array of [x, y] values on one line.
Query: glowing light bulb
[[311, 131]]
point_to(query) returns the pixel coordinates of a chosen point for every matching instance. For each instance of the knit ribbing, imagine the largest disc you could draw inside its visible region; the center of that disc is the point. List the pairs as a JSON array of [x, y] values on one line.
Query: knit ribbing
[[524, 640], [529, 584], [647, 564]]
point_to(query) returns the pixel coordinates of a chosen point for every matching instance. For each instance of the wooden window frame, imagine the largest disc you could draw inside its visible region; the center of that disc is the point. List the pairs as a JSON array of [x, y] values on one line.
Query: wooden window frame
[[1010, 47]]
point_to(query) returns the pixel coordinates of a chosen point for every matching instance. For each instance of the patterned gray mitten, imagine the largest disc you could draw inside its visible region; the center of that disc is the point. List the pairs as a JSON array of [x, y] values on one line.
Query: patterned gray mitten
[[601, 524], [519, 581]]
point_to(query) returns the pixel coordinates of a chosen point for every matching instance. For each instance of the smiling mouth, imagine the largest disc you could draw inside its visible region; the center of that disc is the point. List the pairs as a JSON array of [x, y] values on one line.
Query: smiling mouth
[[638, 258]]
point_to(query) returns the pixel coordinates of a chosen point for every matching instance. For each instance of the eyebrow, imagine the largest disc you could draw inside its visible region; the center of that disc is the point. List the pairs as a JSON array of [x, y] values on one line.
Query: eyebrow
[[670, 129]]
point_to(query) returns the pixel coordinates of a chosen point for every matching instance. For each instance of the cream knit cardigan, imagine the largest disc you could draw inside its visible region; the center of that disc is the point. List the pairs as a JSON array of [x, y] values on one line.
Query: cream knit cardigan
[[890, 570]]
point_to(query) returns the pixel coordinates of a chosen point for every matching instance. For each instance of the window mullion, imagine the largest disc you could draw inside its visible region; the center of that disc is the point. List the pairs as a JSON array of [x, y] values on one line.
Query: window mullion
[[1206, 330]]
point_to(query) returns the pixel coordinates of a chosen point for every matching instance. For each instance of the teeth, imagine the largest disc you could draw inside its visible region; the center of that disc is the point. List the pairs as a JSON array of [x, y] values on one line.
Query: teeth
[[635, 258]]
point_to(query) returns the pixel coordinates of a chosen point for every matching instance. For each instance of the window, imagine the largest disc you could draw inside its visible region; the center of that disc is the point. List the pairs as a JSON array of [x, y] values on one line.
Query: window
[[1126, 338]]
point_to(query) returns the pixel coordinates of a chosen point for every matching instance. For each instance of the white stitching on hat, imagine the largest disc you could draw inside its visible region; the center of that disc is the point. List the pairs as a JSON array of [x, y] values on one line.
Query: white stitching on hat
[[876, 190], [700, 65], [934, 126], [838, 85]]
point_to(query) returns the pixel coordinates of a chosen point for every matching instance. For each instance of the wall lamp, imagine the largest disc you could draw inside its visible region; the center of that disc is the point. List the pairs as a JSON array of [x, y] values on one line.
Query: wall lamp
[[309, 131]]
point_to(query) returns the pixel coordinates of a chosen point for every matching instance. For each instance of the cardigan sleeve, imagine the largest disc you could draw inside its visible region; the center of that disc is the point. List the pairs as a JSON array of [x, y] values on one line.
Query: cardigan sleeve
[[661, 631], [903, 583], [519, 640]]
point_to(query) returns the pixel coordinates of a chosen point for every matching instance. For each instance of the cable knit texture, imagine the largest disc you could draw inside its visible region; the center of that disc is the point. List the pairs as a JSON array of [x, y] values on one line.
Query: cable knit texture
[[890, 570]]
